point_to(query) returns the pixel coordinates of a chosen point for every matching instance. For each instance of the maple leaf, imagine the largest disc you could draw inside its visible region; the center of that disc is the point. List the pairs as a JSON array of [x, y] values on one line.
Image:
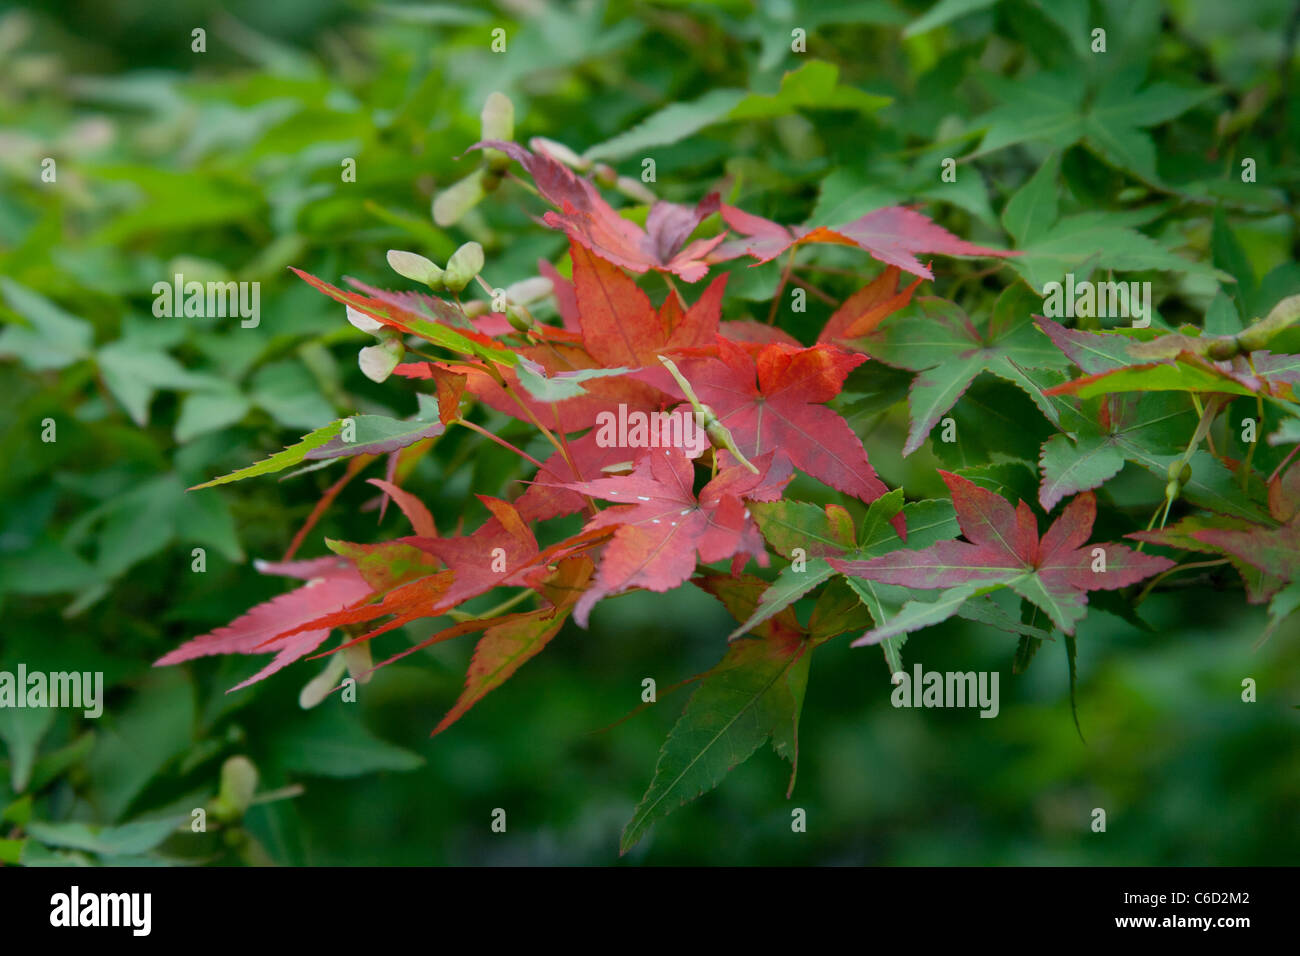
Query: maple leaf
[[1266, 555], [1059, 109], [586, 459], [867, 308], [661, 525], [493, 555], [619, 328], [1259, 373], [1273, 552], [1233, 364], [435, 320], [590, 221], [1265, 552], [1127, 428], [422, 597], [1148, 429], [503, 552], [895, 235], [273, 626], [948, 351], [1003, 549], [753, 694], [773, 398], [619, 325], [1204, 533], [564, 414], [507, 645], [816, 535]]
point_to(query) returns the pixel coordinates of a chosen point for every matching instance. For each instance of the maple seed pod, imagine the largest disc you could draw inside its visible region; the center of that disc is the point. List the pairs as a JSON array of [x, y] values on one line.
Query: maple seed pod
[[633, 189], [716, 432], [1252, 340], [459, 198], [497, 121], [238, 784], [1224, 349], [1180, 472], [465, 263], [417, 268], [519, 319], [719, 437], [363, 322], [1172, 489], [527, 291], [378, 361], [560, 153]]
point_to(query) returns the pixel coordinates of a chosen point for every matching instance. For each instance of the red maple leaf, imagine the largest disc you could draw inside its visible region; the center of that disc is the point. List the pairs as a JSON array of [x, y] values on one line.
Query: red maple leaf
[[621, 329], [503, 552], [894, 235], [272, 627], [1002, 547], [584, 459], [589, 220], [867, 308], [565, 299], [662, 525], [773, 398], [493, 555]]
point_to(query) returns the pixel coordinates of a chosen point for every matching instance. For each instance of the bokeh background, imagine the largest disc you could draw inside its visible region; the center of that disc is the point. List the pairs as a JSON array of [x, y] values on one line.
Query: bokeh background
[[225, 164]]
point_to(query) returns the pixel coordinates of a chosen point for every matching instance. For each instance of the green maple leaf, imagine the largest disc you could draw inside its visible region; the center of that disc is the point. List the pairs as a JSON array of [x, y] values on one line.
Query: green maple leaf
[[948, 351], [1147, 429], [1127, 430], [788, 525], [1059, 108], [1003, 548], [755, 693], [1265, 554], [1051, 246]]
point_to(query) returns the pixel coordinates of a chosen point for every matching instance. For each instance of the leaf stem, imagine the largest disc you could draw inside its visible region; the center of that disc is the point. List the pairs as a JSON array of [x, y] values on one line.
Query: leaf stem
[[672, 287], [525, 184], [497, 611], [499, 440], [804, 284], [780, 288], [1250, 452], [1176, 568]]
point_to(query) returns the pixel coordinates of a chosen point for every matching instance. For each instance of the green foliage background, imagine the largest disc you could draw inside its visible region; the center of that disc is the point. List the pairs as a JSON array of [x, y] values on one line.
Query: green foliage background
[[226, 164]]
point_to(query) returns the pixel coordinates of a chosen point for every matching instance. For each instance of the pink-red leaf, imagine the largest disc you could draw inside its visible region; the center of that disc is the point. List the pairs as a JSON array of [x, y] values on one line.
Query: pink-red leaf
[[1002, 548]]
